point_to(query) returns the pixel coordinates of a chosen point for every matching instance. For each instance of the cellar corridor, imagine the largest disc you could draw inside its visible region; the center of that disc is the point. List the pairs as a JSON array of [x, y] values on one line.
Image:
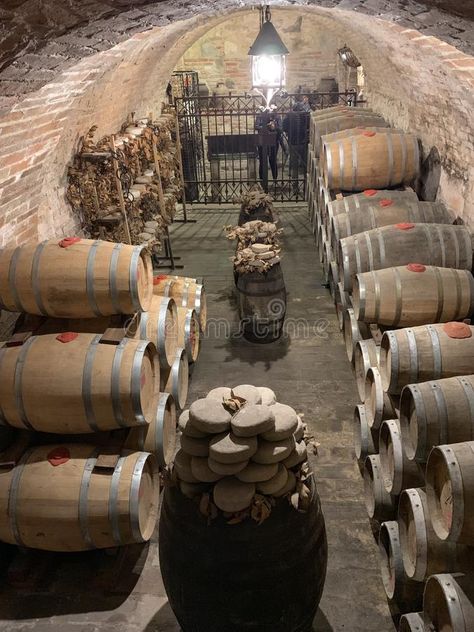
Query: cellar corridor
[[308, 369]]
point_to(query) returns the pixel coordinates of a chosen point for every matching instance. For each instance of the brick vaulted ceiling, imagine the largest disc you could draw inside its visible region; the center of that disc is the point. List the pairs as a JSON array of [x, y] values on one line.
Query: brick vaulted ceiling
[[48, 35]]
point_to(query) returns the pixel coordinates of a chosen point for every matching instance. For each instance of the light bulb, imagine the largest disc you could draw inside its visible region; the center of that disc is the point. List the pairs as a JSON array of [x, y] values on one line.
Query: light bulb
[[268, 70]]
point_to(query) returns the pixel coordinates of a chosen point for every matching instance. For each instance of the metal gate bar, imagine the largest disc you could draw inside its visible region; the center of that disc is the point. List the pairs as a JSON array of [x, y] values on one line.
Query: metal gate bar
[[224, 153]]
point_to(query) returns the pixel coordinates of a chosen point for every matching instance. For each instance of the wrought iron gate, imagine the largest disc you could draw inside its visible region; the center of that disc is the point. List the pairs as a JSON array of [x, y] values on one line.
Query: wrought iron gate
[[225, 151]]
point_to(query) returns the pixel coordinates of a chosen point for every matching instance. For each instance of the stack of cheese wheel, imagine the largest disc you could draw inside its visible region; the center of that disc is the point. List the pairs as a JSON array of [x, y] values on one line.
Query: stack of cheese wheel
[[257, 450]]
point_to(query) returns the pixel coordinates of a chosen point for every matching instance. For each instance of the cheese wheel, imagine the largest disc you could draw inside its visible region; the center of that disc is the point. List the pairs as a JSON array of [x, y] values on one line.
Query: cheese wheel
[[202, 471], [252, 419], [268, 396], [248, 392], [275, 483], [210, 416], [273, 451], [286, 422], [289, 487], [220, 393], [257, 472], [187, 427], [298, 455], [182, 465], [229, 448], [232, 495], [195, 447], [226, 469]]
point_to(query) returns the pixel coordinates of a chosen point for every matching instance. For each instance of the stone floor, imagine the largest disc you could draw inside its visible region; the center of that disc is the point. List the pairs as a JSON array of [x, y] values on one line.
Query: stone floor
[[308, 369]]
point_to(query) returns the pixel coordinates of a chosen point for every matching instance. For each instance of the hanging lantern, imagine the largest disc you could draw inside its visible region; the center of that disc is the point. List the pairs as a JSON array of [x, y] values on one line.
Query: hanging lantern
[[348, 58], [268, 54]]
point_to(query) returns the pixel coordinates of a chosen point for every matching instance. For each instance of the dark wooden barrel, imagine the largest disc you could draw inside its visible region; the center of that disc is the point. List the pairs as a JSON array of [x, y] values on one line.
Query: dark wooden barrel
[[242, 577], [262, 304]]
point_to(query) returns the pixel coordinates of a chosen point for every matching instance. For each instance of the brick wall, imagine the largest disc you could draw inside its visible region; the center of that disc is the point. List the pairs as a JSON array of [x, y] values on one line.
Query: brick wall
[[417, 81], [222, 53]]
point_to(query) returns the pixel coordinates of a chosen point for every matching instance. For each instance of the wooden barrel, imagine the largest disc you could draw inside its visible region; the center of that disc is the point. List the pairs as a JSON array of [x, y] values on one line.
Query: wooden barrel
[[424, 554], [186, 292], [325, 197], [70, 497], [435, 413], [398, 472], [353, 331], [428, 352], [411, 622], [372, 160], [159, 437], [386, 212], [262, 213], [360, 201], [327, 113], [448, 603], [405, 593], [366, 355], [74, 383], [223, 588], [327, 258], [188, 332], [75, 278], [345, 122], [407, 296], [175, 380], [160, 325], [379, 503], [321, 238], [447, 246], [378, 404], [333, 278], [450, 491], [262, 304], [342, 302], [366, 441]]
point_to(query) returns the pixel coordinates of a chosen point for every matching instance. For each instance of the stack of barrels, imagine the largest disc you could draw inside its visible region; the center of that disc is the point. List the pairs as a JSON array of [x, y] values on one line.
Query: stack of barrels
[[399, 271], [89, 387]]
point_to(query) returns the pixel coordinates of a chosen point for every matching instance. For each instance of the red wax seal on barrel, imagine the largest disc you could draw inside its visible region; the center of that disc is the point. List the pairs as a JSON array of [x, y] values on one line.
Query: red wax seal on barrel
[[457, 330], [370, 192], [59, 456], [159, 278], [69, 241], [405, 226], [67, 336], [385, 202], [416, 267], [368, 133]]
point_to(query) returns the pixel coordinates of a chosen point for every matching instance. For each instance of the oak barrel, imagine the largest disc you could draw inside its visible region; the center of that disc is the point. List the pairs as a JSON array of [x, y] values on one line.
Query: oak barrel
[[366, 355], [160, 325], [373, 159], [346, 128], [405, 593], [71, 497], [398, 472], [386, 212], [448, 603], [407, 296], [443, 245], [366, 440], [75, 278], [230, 584], [175, 380], [188, 332], [378, 404], [77, 383], [379, 503], [436, 412], [424, 554], [360, 201], [428, 352], [353, 331], [450, 491], [186, 292], [262, 304], [411, 622], [342, 302], [159, 437]]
